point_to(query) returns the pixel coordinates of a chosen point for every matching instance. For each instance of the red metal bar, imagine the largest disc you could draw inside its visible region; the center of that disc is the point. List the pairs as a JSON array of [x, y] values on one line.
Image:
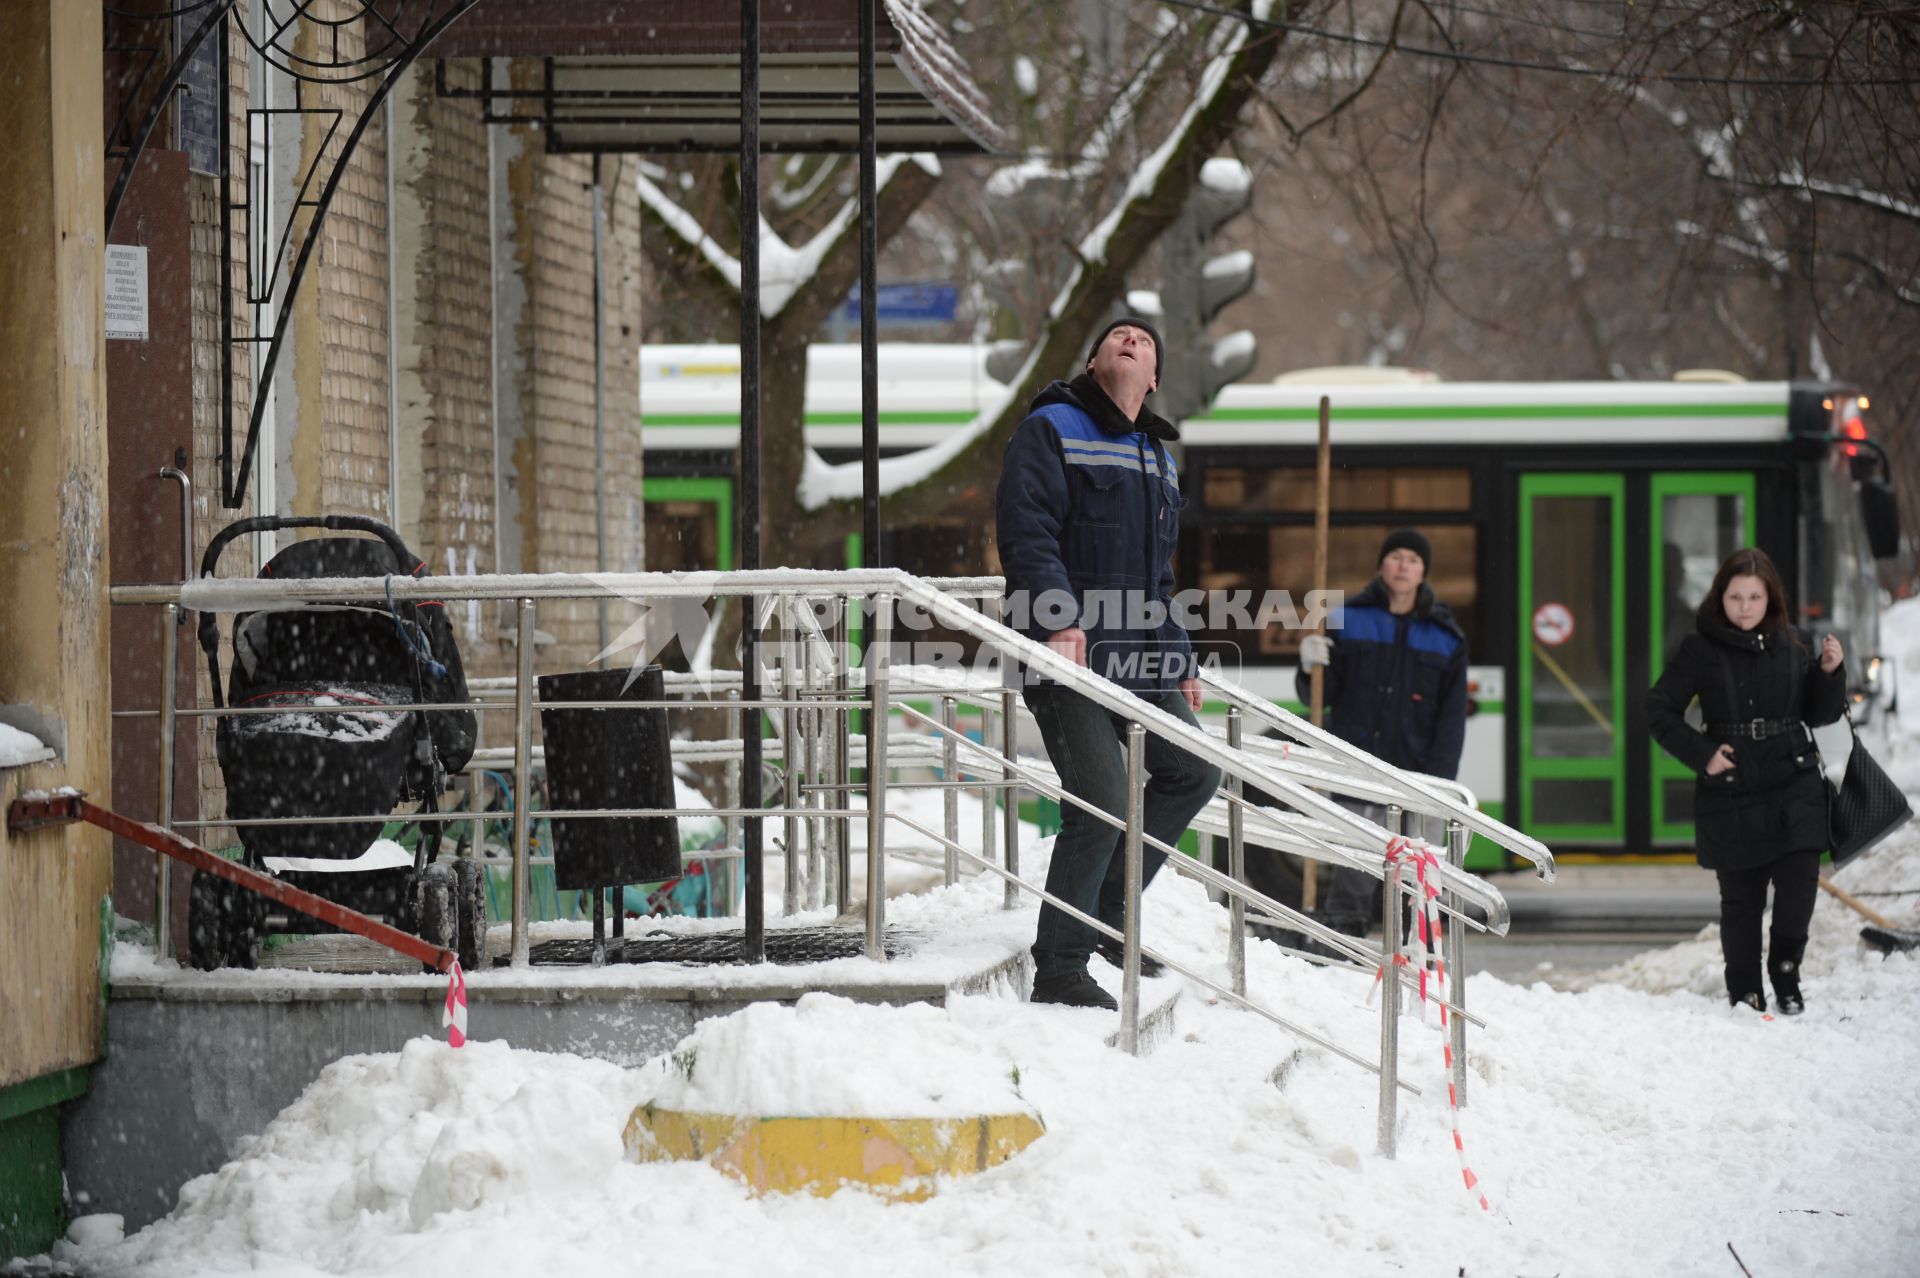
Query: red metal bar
[[63, 809]]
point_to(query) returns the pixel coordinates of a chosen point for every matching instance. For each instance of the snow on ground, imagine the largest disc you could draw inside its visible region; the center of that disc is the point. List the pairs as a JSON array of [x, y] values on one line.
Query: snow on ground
[[1617, 1131], [1637, 1127]]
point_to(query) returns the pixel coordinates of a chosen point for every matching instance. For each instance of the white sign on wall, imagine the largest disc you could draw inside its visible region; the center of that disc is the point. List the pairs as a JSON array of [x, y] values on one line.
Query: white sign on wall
[[127, 292]]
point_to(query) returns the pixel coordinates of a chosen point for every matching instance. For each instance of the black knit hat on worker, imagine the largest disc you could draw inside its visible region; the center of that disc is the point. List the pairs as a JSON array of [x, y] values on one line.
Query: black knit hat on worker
[[1133, 321], [1407, 539]]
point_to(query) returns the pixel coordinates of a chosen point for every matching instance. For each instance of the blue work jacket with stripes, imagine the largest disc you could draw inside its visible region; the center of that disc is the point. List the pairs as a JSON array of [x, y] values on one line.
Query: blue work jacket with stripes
[[1088, 513], [1397, 683]]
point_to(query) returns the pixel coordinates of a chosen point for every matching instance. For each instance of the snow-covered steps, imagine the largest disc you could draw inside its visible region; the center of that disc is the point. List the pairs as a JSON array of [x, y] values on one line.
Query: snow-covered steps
[[198, 1061]]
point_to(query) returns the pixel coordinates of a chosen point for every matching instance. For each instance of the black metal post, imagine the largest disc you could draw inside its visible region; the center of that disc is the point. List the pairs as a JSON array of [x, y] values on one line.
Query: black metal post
[[753, 944], [226, 280], [869, 303]]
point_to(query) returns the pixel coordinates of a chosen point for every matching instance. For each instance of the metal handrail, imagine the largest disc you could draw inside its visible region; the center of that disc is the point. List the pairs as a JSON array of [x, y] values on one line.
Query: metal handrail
[[1316, 826]]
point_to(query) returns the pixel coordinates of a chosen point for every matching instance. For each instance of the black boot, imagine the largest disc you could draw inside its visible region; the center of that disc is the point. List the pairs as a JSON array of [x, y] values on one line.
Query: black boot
[[1785, 974], [1113, 953], [1756, 1000], [1072, 989]]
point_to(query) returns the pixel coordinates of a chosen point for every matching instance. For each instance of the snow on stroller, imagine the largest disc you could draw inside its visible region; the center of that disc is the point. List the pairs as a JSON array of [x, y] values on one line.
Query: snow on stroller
[[319, 761]]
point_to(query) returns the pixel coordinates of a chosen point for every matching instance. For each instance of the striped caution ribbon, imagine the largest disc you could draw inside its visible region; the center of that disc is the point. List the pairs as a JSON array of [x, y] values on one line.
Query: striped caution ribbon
[[1430, 935], [453, 1016]]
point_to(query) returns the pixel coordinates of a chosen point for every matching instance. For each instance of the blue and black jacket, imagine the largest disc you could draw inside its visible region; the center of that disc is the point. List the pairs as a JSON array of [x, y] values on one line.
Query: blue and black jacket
[[1397, 685], [1088, 513]]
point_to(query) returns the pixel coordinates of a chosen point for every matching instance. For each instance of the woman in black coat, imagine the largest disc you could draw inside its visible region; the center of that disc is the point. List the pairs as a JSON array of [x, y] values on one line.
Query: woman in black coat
[[1760, 802]]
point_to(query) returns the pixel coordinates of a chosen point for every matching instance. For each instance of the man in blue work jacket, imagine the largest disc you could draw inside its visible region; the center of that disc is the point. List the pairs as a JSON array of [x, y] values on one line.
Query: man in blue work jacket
[[1088, 517], [1396, 686]]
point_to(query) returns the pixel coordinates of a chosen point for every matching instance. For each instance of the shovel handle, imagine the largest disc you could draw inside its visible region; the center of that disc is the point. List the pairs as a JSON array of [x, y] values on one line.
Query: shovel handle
[[1853, 903]]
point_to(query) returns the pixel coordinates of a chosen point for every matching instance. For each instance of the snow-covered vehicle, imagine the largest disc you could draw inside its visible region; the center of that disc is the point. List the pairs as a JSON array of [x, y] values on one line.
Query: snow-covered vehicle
[[345, 738]]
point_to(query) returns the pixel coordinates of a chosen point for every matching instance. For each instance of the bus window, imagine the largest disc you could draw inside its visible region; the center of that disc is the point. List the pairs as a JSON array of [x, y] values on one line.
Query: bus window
[[1698, 530], [1290, 489], [1257, 558], [1838, 591]]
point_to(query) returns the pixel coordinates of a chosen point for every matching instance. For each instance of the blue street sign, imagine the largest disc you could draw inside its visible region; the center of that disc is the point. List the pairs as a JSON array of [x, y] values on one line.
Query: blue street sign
[[918, 303]]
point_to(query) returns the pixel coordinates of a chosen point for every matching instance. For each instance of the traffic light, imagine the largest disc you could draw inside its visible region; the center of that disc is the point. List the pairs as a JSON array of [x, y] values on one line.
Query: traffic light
[[1196, 287]]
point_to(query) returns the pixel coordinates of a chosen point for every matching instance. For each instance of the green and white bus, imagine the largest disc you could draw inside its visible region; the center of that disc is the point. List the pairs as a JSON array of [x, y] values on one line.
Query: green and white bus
[[1575, 526]]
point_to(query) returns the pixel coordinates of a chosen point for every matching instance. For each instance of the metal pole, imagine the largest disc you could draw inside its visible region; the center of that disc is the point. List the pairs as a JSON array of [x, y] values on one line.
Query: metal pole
[[1010, 815], [753, 943], [1130, 938], [1458, 838], [185, 481], [599, 398], [223, 95], [842, 764], [950, 772], [1236, 867], [810, 739], [989, 797], [869, 290], [1390, 996], [734, 827], [790, 751], [522, 780], [163, 870], [879, 640]]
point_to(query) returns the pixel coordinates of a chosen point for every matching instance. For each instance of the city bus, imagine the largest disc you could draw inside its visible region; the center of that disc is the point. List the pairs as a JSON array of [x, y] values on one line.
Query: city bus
[[1575, 527]]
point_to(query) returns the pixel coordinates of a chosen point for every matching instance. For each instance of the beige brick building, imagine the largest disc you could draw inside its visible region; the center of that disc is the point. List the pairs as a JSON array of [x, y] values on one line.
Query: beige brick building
[[440, 369]]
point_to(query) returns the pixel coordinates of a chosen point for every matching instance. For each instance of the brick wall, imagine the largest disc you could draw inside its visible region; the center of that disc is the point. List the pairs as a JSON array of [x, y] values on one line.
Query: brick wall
[[437, 246], [445, 317], [548, 244]]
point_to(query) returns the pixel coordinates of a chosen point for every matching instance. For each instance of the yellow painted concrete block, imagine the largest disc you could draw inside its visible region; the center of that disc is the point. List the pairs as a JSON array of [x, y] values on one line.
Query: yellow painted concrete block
[[897, 1158]]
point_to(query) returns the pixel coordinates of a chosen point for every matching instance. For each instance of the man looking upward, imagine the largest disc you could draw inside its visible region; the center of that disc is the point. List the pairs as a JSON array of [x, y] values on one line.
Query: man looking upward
[[1088, 513]]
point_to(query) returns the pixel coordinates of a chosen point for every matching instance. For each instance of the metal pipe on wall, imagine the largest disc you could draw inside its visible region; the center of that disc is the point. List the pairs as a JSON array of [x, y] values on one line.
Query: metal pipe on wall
[[600, 398]]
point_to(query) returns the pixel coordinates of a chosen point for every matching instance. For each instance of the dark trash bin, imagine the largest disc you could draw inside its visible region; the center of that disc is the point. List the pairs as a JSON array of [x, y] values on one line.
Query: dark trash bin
[[609, 759]]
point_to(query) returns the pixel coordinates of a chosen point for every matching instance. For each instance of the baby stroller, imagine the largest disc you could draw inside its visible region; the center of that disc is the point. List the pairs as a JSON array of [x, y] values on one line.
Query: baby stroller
[[318, 760]]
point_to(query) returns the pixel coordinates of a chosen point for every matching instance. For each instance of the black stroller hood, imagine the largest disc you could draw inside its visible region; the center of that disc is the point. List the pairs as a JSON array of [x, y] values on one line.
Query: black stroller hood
[[312, 660]]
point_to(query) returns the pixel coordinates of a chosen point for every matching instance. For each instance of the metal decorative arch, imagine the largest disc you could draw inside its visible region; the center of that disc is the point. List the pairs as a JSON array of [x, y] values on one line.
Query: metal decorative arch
[[302, 41]]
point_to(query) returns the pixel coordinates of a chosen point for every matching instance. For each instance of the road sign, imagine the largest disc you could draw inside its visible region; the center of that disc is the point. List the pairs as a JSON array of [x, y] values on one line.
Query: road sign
[[900, 304], [1553, 624]]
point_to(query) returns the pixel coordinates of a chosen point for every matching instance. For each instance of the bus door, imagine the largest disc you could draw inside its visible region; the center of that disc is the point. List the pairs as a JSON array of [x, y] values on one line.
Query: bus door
[[1571, 657], [1695, 520]]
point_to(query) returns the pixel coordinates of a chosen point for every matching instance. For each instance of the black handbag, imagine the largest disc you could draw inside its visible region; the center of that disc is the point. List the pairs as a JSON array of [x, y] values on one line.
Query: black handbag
[[1865, 807]]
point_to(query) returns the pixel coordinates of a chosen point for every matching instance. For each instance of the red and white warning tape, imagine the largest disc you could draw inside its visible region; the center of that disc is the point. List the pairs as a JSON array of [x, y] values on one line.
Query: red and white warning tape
[[454, 1014], [1428, 932]]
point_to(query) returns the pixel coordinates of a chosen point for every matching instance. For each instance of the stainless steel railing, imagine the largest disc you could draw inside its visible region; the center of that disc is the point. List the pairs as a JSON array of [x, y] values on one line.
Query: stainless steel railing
[[820, 687]]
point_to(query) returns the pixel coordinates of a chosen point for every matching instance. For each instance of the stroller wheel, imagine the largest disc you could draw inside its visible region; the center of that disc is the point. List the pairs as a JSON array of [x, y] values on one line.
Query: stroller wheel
[[206, 922], [470, 912], [434, 895], [246, 926]]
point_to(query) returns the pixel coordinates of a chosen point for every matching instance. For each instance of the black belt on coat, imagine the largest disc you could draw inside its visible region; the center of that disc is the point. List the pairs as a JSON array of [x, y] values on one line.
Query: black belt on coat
[[1754, 729]]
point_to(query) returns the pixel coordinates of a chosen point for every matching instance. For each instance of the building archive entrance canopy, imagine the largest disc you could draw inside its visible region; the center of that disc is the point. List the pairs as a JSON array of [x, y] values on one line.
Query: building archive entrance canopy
[[663, 75]]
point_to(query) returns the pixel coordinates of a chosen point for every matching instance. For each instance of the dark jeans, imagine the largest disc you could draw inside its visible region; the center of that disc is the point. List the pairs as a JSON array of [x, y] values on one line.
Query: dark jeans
[[1089, 867], [1743, 899]]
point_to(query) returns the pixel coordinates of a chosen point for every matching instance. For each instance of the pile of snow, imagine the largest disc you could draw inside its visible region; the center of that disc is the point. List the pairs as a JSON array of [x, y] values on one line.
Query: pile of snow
[[18, 749], [829, 1057], [1616, 1131]]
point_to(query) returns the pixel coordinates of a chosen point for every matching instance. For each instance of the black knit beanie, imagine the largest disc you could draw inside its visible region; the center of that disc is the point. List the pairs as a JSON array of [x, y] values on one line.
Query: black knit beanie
[[1131, 321], [1407, 539]]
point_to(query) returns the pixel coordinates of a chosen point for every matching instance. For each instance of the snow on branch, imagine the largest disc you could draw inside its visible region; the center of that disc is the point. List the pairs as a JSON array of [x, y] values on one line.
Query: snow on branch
[[1849, 192], [1039, 165], [822, 483], [784, 269]]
